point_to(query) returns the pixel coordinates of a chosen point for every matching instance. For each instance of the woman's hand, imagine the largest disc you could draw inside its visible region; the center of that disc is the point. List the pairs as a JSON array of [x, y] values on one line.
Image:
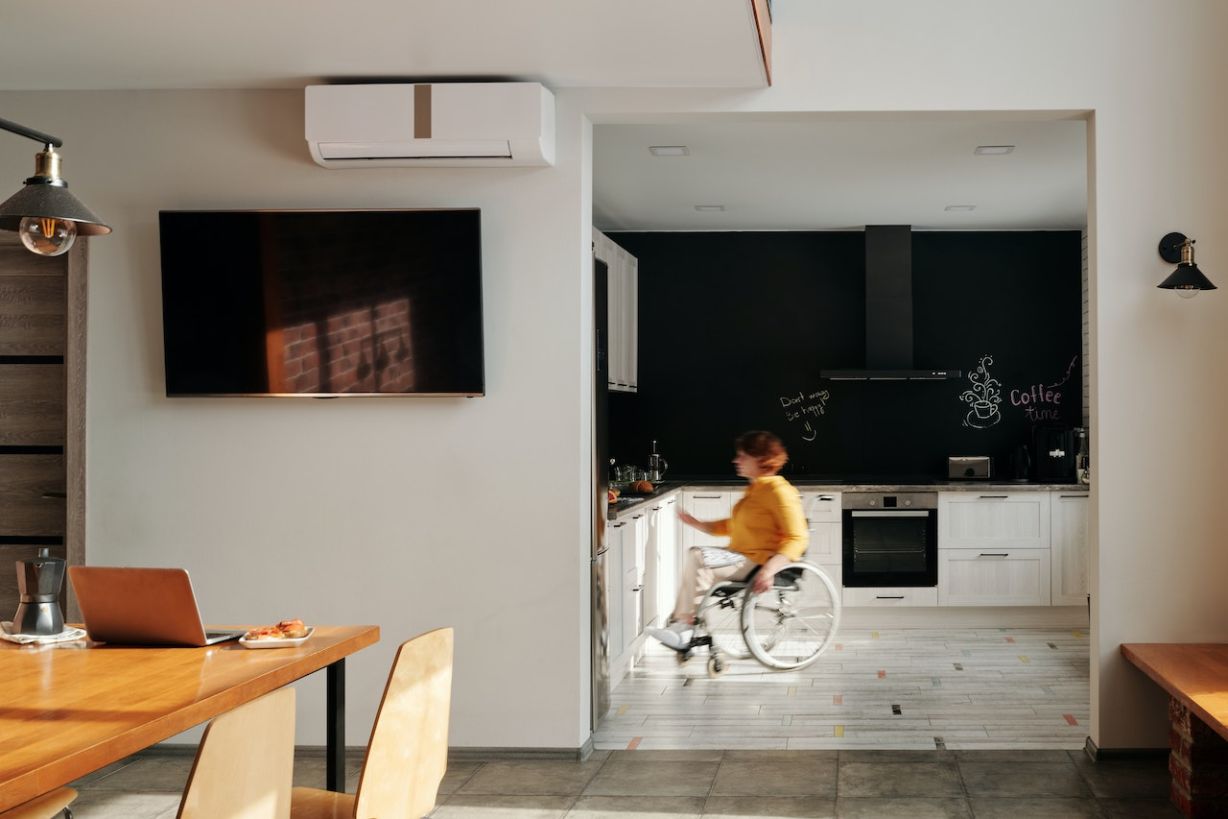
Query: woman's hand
[[765, 575], [691, 520]]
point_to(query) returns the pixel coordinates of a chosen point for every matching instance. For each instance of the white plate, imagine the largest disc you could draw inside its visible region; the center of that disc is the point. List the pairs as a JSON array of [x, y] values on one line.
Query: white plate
[[286, 643]]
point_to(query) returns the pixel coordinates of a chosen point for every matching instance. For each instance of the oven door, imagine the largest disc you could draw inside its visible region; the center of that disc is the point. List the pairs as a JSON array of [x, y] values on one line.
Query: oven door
[[889, 547]]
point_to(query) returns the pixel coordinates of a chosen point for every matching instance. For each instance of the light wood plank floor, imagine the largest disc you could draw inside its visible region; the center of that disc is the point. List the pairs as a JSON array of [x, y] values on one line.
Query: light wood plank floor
[[894, 689]]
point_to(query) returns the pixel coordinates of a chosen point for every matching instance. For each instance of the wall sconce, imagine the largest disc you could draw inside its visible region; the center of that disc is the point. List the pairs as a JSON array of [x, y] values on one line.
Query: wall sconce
[[46, 216], [1187, 280]]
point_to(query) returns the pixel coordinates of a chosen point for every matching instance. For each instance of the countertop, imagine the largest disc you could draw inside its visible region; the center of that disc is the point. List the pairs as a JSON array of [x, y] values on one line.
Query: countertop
[[631, 505]]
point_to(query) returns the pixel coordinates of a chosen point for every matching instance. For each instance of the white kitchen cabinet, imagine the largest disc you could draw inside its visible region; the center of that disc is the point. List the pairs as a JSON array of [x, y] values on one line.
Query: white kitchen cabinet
[[822, 510], [634, 545], [889, 597], [993, 577], [614, 593], [993, 521], [664, 543], [706, 505], [1068, 512], [622, 312]]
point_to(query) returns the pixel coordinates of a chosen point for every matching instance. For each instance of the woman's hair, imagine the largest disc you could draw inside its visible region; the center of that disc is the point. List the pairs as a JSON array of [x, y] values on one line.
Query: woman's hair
[[765, 447]]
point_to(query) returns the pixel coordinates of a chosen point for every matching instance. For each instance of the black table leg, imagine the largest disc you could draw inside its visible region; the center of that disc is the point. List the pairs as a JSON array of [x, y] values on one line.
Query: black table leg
[[334, 754]]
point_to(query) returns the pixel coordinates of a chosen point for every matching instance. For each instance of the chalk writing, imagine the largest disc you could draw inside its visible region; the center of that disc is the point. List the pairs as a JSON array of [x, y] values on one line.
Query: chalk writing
[[1041, 402], [805, 406], [984, 396]]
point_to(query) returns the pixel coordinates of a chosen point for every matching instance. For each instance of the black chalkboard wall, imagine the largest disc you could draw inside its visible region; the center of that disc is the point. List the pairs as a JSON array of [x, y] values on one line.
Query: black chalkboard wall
[[734, 328]]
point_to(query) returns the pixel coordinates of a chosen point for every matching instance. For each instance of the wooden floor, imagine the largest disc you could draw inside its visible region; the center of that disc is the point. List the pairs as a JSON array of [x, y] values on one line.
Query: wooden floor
[[894, 689]]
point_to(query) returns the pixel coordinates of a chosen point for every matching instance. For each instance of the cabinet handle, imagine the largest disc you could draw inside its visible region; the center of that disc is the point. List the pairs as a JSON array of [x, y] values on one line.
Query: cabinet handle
[[657, 508], [618, 525], [637, 517], [827, 497], [707, 497], [53, 495], [888, 597], [637, 589], [671, 500], [993, 497], [994, 554], [1077, 497]]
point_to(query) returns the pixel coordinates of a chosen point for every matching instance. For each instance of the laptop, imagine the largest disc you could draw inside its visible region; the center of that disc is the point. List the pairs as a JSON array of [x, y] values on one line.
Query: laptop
[[141, 607]]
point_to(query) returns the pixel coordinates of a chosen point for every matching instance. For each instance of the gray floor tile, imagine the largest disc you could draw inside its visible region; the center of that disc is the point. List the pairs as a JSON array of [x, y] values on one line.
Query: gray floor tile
[[630, 777], [458, 774], [915, 808], [770, 807], [812, 773], [490, 806], [876, 755], [310, 771], [1017, 779], [547, 777], [1119, 779], [900, 779], [98, 804], [1013, 755], [89, 779], [149, 773], [1139, 809], [1035, 808], [668, 756], [637, 807]]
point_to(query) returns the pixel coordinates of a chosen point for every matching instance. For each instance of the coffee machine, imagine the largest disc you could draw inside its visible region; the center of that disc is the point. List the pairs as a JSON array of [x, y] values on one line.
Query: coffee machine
[[1055, 451], [39, 581], [657, 466]]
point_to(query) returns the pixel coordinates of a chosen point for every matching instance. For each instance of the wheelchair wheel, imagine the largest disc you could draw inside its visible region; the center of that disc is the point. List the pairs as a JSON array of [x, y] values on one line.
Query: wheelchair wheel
[[791, 624], [720, 617]]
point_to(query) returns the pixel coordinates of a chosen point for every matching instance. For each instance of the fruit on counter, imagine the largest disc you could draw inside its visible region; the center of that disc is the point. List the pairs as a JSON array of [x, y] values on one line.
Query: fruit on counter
[[643, 487], [611, 496]]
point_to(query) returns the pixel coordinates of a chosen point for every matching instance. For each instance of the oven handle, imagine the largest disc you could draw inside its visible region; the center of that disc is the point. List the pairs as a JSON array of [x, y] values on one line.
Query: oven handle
[[900, 514]]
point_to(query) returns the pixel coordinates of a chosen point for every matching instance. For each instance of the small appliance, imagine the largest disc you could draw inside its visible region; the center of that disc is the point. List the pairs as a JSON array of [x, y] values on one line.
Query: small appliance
[[971, 467], [1055, 449], [1021, 463], [657, 466], [39, 581]]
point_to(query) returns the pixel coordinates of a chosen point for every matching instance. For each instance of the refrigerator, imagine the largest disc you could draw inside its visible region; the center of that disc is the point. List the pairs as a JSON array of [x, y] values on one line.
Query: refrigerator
[[599, 557]]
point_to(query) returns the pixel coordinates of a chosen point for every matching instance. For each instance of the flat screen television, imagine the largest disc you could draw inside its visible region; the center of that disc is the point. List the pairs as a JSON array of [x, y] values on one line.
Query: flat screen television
[[322, 302]]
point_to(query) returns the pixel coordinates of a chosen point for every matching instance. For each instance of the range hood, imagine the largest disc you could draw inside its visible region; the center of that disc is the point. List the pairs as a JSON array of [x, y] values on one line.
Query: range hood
[[889, 335]]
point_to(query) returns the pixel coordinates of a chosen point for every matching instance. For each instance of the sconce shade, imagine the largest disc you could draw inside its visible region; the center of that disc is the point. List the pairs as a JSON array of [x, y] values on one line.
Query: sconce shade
[[39, 199], [1186, 277]]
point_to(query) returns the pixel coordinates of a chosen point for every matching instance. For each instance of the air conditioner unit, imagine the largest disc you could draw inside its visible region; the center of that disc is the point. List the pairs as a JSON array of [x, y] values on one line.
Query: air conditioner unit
[[489, 124]]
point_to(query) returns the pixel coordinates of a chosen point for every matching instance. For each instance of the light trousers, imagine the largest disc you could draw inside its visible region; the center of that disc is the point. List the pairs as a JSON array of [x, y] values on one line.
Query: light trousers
[[702, 568]]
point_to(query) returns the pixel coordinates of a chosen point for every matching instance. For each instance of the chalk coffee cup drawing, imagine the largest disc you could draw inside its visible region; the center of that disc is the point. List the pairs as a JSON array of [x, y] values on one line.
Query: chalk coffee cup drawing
[[983, 409]]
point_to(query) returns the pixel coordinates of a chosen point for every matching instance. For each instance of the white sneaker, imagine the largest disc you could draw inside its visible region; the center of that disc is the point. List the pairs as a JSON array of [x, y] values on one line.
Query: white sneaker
[[676, 635]]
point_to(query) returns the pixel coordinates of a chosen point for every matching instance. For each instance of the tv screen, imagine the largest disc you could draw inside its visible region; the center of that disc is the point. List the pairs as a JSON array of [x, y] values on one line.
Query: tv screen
[[322, 303]]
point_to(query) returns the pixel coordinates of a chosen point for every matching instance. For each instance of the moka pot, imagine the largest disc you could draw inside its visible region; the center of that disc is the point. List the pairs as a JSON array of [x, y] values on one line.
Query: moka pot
[[39, 581]]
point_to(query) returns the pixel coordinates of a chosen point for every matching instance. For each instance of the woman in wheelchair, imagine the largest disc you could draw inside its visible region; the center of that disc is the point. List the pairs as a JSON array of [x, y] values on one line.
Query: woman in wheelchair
[[754, 598]]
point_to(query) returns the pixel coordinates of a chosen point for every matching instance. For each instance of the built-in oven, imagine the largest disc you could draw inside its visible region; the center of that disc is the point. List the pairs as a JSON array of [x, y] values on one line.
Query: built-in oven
[[890, 539]]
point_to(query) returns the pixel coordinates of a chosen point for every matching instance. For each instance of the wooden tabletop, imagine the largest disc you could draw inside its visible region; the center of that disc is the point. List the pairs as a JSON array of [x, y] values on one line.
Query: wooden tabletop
[[1196, 674], [71, 708]]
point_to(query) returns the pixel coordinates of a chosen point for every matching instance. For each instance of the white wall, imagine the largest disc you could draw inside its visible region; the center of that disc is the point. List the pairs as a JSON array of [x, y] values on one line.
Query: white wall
[[473, 513], [406, 513]]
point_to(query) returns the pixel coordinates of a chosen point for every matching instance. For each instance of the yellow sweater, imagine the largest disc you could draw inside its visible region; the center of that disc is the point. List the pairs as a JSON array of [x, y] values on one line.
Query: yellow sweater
[[766, 521]]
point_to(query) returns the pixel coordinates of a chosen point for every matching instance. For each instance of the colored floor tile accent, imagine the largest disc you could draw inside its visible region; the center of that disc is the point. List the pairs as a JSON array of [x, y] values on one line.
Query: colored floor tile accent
[[1070, 720]]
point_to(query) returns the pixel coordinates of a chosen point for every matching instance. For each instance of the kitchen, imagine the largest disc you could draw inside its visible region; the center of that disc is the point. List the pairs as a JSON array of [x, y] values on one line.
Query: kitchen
[[916, 334]]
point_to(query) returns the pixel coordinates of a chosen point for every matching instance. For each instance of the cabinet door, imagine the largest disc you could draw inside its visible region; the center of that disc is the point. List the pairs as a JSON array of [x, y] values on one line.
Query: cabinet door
[[993, 520], [822, 510], [1006, 577], [634, 538], [614, 588], [1069, 548], [651, 569], [707, 506], [617, 356], [631, 321], [669, 558]]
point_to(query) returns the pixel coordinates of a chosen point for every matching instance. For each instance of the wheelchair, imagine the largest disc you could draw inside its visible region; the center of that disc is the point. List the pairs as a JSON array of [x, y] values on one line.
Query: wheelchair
[[786, 628]]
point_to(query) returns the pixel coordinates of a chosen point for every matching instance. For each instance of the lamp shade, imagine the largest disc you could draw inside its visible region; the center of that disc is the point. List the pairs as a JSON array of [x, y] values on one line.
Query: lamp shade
[[1186, 277], [42, 200]]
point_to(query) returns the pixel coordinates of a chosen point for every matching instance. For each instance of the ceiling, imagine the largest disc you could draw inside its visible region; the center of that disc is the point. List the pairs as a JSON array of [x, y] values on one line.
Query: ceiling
[[138, 44], [819, 173]]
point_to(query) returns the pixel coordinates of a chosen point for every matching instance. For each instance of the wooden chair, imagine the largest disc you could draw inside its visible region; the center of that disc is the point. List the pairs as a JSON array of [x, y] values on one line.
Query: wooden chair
[[47, 806], [408, 751], [245, 764]]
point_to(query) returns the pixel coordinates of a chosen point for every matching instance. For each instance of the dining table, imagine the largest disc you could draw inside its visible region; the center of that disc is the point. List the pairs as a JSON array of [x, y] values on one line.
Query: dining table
[[71, 708]]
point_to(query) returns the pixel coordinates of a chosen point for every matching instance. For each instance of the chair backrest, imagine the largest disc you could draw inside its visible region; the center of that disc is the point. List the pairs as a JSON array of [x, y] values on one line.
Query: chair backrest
[[245, 763], [408, 752]]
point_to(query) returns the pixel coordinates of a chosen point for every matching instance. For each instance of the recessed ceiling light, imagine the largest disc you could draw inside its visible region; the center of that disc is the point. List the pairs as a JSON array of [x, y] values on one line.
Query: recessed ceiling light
[[960, 207], [710, 208], [993, 150], [668, 150]]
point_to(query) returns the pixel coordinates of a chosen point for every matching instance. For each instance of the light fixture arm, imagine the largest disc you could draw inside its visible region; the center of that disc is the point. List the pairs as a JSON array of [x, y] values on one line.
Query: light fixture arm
[[30, 133]]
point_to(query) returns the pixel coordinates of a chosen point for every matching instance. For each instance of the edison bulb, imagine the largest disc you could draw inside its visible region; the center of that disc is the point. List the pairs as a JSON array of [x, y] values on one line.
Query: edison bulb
[[46, 235], [1187, 292]]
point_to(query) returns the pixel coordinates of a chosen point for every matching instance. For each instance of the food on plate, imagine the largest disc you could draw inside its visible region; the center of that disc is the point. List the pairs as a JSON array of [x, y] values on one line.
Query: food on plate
[[643, 487], [285, 630], [611, 496]]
